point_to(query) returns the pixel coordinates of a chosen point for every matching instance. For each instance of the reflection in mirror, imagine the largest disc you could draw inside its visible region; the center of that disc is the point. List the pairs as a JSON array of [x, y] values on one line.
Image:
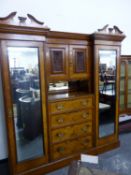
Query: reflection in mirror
[[24, 74], [58, 86], [107, 92]]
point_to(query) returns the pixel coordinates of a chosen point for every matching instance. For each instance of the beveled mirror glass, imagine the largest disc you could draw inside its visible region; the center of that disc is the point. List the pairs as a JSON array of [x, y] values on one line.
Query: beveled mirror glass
[[107, 92], [26, 96]]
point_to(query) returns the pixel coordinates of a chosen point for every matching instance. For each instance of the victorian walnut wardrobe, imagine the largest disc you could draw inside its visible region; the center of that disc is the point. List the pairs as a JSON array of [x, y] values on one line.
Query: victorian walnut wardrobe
[[60, 93]]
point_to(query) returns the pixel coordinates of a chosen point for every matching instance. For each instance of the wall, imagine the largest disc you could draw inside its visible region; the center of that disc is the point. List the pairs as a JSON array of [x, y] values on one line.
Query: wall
[[82, 16]]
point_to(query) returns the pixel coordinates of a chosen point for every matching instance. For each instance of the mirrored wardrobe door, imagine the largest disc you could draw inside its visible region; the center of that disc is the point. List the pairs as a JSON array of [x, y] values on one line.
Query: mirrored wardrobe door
[[24, 91], [107, 92], [107, 60]]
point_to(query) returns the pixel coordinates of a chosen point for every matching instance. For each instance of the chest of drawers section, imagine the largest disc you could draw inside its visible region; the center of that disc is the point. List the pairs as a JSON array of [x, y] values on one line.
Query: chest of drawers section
[[70, 126]]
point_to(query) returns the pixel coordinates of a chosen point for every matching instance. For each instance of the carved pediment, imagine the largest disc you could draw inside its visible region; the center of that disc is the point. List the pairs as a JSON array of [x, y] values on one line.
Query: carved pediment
[[109, 30], [8, 19], [28, 20]]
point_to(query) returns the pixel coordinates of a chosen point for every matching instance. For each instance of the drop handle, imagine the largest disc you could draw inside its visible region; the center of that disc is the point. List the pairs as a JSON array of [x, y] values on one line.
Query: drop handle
[[84, 103], [60, 135], [61, 149], [59, 106], [84, 129], [60, 120], [85, 115]]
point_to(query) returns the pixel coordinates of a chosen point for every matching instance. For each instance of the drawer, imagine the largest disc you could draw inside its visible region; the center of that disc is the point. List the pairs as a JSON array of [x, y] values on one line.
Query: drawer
[[62, 134], [83, 129], [62, 150], [69, 118], [84, 143], [75, 104], [71, 132]]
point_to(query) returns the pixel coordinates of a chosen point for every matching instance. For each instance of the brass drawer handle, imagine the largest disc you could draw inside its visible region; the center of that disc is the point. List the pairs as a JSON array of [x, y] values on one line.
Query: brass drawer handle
[[85, 115], [60, 135], [61, 149], [84, 129], [60, 120], [85, 102], [59, 106]]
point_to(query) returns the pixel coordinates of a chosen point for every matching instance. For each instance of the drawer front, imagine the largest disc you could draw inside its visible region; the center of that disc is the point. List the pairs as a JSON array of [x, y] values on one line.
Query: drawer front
[[63, 106], [62, 134], [61, 150], [70, 132], [83, 129], [69, 118], [69, 147], [84, 143]]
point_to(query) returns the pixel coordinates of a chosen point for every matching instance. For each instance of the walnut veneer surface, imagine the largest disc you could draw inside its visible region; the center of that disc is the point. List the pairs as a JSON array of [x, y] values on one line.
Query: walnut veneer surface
[[71, 125]]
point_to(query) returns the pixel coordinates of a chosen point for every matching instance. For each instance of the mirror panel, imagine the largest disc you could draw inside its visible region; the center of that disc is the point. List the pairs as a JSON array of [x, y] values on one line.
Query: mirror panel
[[27, 113], [107, 92]]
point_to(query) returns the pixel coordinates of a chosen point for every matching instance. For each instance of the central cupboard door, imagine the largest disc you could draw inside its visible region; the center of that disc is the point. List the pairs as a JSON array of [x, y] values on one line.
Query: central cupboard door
[[57, 62], [79, 62], [25, 103], [67, 62]]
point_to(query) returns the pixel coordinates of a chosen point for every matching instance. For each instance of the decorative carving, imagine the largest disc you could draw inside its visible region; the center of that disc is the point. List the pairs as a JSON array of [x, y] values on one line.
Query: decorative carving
[[110, 30], [28, 21], [33, 19], [114, 30], [103, 29], [117, 30], [9, 17], [22, 19]]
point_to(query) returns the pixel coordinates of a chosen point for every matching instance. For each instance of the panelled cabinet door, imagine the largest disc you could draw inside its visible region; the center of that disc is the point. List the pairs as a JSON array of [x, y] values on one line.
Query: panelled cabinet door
[[57, 62], [122, 105], [79, 62], [22, 66]]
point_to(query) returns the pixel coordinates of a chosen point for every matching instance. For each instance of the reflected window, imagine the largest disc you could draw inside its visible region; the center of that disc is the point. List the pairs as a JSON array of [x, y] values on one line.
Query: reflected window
[[24, 74]]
